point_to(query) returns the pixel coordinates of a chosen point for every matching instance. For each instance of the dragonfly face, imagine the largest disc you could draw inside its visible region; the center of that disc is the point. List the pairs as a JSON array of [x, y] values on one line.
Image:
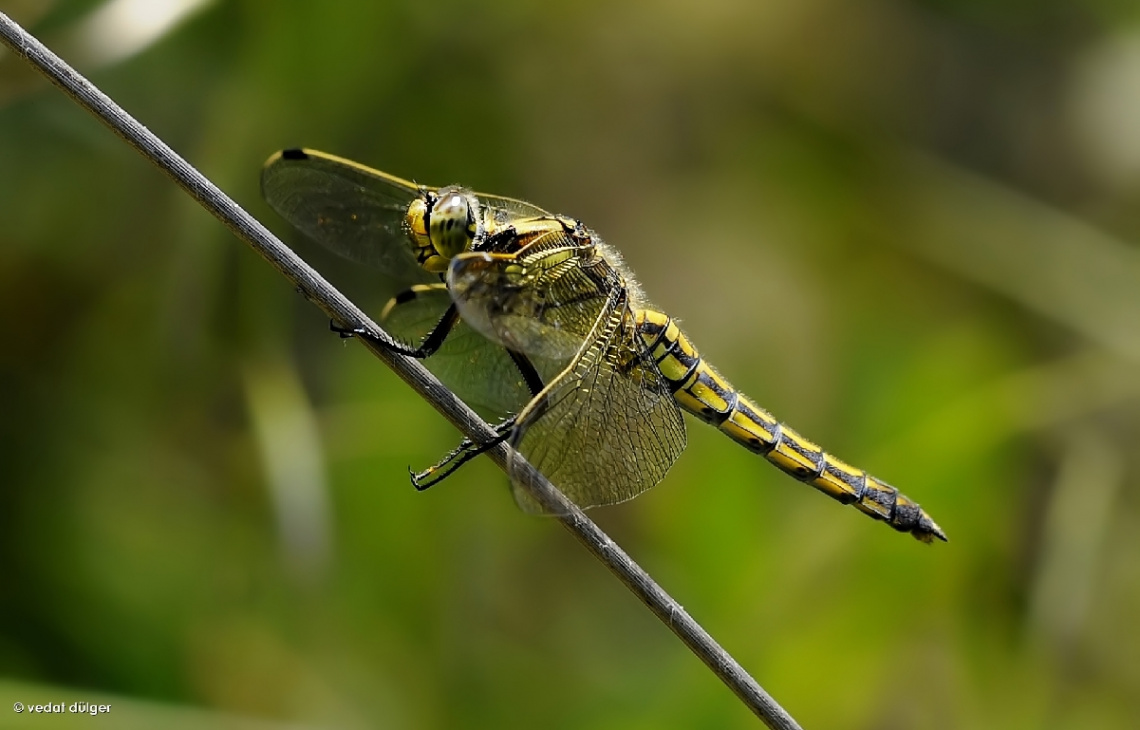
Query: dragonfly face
[[531, 315]]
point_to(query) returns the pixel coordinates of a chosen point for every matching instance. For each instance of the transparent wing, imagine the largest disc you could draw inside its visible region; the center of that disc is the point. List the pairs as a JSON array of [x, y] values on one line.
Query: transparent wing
[[505, 210], [544, 300], [608, 428], [350, 209], [358, 212], [479, 371]]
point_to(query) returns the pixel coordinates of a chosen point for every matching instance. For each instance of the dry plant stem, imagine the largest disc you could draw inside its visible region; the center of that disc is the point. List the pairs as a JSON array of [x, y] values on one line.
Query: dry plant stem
[[320, 292]]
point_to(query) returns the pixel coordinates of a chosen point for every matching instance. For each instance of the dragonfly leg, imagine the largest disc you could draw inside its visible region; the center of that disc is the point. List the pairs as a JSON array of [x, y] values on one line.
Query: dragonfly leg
[[346, 332], [427, 347], [460, 455], [529, 373]]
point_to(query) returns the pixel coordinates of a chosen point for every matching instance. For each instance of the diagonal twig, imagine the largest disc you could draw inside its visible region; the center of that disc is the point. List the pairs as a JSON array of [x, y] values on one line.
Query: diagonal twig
[[314, 287]]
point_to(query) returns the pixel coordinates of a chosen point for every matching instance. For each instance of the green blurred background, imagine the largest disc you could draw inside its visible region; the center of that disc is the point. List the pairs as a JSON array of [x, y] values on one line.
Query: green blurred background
[[906, 228]]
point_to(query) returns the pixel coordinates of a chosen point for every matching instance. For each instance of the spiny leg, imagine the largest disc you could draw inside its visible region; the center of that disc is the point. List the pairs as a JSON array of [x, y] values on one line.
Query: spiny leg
[[467, 449], [529, 373], [460, 455], [429, 345]]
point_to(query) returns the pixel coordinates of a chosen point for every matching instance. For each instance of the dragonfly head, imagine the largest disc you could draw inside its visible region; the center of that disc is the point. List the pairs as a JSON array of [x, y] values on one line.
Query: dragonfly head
[[443, 224]]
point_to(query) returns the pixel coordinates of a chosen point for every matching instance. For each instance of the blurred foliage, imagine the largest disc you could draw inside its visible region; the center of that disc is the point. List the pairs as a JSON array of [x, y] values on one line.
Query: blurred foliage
[[908, 228]]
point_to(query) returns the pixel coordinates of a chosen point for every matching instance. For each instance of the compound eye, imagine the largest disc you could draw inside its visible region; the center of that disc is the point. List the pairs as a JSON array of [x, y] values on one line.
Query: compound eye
[[417, 218], [452, 224]]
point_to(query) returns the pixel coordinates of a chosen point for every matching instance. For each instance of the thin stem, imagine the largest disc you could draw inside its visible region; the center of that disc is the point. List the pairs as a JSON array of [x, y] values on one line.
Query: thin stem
[[314, 287]]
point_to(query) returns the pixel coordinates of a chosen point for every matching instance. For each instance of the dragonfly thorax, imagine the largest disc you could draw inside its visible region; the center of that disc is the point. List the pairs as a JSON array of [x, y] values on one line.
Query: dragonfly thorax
[[442, 225]]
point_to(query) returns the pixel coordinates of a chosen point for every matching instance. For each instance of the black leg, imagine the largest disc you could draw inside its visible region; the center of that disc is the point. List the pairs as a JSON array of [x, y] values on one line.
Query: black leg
[[457, 457], [528, 371], [428, 347]]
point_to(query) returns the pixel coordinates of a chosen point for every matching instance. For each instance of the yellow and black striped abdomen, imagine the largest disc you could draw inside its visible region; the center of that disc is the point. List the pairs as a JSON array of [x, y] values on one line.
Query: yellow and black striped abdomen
[[699, 390]]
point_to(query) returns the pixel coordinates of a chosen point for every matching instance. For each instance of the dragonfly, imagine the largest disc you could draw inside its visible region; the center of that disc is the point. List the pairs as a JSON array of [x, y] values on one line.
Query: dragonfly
[[530, 316]]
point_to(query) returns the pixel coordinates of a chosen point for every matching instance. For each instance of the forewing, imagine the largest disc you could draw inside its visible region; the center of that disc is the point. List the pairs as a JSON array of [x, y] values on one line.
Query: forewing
[[358, 212], [350, 209], [505, 210], [608, 428], [543, 301], [479, 371]]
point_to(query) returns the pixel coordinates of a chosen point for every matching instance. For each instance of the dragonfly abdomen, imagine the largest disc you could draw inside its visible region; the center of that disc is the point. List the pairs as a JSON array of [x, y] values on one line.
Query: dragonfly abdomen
[[701, 391]]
